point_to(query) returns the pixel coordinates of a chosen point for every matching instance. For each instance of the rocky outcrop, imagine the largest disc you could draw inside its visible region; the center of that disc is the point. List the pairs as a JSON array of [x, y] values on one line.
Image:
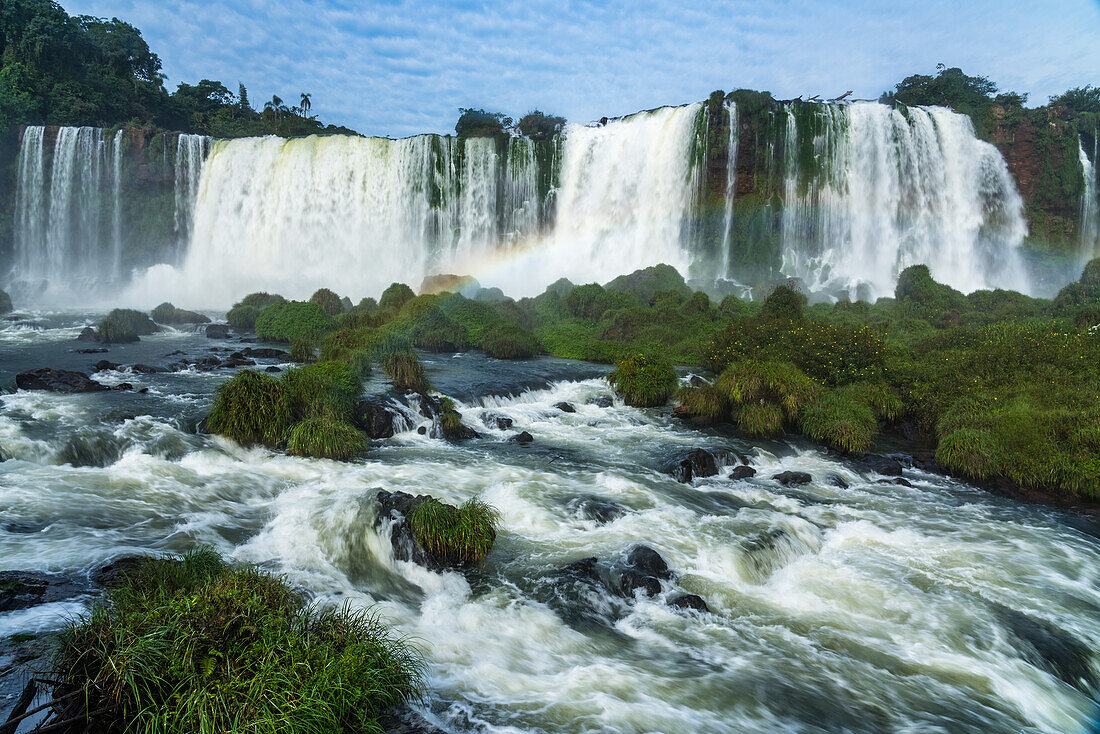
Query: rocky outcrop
[[693, 464], [63, 381], [217, 331], [792, 478], [374, 418]]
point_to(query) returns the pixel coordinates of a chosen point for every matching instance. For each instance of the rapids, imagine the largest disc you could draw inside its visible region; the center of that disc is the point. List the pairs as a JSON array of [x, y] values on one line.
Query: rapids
[[867, 608]]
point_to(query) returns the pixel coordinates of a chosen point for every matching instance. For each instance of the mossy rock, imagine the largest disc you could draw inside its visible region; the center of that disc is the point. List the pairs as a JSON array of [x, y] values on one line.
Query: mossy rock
[[125, 325], [252, 408], [456, 536], [647, 282], [643, 380], [293, 321], [166, 313]]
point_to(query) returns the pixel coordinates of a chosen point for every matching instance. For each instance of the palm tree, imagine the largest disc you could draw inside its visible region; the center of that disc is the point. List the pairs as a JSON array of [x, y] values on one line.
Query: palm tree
[[306, 105], [275, 105]]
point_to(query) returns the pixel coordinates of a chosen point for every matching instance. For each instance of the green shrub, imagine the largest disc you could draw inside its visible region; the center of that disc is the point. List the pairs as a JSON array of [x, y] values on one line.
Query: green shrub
[[918, 293], [647, 282], [456, 535], [784, 303], [125, 325], [328, 301], [972, 453], [1091, 274], [166, 313], [359, 360], [261, 300], [293, 321], [840, 420], [328, 389], [476, 318], [508, 341], [325, 437], [243, 317], [366, 305], [643, 380], [591, 301], [706, 401], [251, 408], [192, 644], [396, 296], [302, 353], [766, 396], [437, 333]]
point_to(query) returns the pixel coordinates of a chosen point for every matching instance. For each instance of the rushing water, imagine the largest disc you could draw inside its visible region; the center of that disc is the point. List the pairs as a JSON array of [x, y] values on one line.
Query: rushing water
[[870, 608], [1090, 200]]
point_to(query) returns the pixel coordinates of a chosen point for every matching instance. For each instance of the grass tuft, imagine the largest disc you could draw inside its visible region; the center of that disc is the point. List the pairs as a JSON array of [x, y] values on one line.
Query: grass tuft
[[456, 535], [252, 408], [325, 437], [643, 380]]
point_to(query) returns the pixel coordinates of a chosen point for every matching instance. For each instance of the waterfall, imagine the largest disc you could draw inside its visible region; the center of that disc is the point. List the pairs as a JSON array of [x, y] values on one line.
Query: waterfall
[[191, 152], [116, 184], [887, 189], [1090, 201], [31, 202], [731, 185]]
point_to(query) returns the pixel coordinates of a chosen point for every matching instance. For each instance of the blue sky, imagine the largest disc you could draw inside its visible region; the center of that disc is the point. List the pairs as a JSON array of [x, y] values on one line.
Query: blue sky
[[399, 67]]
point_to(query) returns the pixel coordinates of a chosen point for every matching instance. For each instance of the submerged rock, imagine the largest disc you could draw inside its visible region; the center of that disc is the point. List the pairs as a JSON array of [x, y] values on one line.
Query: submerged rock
[[689, 601], [493, 420], [604, 401], [23, 589], [643, 570], [742, 472], [62, 381], [790, 478], [690, 465], [522, 437], [88, 334], [837, 481], [884, 465], [597, 509], [217, 331], [261, 353], [1051, 649], [565, 407]]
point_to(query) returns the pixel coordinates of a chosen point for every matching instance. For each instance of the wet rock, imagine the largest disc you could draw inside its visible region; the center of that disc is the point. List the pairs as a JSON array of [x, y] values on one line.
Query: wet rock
[[115, 572], [123, 386], [144, 369], [645, 560], [689, 601], [697, 381], [235, 362], [96, 350], [88, 334], [273, 369], [493, 420], [217, 331], [837, 481], [62, 381], [565, 407], [898, 481], [23, 589], [690, 465], [373, 418], [597, 509], [579, 594], [457, 431], [104, 364], [203, 364], [884, 465], [522, 437], [742, 472], [791, 478], [603, 401], [1051, 649], [143, 390], [422, 430], [261, 353], [430, 408], [632, 581], [396, 508], [404, 720]]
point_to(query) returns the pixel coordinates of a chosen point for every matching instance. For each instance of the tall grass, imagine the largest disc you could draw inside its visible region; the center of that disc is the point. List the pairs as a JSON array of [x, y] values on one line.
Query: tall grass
[[456, 535]]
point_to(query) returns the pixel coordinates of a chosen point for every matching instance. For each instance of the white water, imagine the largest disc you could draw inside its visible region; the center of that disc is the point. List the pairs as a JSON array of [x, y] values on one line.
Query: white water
[[191, 153], [1090, 201], [731, 185], [896, 189], [869, 609]]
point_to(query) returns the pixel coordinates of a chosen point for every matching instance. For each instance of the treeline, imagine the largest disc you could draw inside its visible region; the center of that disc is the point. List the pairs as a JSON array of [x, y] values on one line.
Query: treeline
[[59, 69]]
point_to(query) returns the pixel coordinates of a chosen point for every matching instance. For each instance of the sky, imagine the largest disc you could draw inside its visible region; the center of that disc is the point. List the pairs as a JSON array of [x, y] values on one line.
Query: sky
[[401, 67]]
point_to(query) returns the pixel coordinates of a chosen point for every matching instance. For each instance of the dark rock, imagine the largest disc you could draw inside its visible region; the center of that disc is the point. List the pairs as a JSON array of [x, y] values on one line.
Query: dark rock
[[789, 478], [689, 601], [123, 386], [458, 432], [603, 401], [522, 437], [88, 334], [697, 381], [23, 589], [143, 390], [97, 350], [898, 481], [580, 594], [884, 465], [374, 418], [261, 353], [692, 464], [1051, 649], [647, 561], [500, 422], [597, 509], [396, 508], [422, 430], [272, 369], [742, 472], [53, 380], [203, 364], [144, 369], [103, 364], [115, 572], [837, 481], [404, 720], [217, 331], [234, 362], [631, 581], [565, 407], [430, 408]]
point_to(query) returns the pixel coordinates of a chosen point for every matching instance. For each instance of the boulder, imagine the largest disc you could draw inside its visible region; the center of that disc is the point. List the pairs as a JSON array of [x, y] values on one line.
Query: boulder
[[884, 465], [450, 283], [896, 480], [5, 302], [397, 508], [23, 589], [597, 509], [565, 407], [792, 478], [689, 601], [273, 369], [62, 381], [95, 350], [643, 570], [373, 418], [522, 437], [500, 422], [631, 581], [742, 472], [691, 464], [604, 401], [88, 334], [217, 331], [238, 362], [104, 364], [261, 353], [837, 481]]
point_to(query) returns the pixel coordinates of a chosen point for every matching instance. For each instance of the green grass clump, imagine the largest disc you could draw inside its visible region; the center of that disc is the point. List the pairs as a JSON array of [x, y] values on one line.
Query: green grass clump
[[243, 317], [252, 408], [405, 370], [328, 301], [839, 420], [125, 325], [766, 396], [166, 313], [705, 401], [194, 645], [643, 380], [508, 341], [261, 300], [457, 536], [435, 332], [322, 389], [395, 296], [293, 321], [325, 437], [302, 352]]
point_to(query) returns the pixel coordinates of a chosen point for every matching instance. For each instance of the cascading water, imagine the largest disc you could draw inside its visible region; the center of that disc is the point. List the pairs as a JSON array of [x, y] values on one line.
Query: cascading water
[[191, 152], [887, 189], [731, 186], [1090, 201]]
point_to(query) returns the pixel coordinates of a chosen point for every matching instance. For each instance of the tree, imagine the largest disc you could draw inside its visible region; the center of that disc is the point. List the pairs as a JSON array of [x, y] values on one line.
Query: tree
[[242, 98], [306, 105], [477, 123], [1079, 99], [538, 125]]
